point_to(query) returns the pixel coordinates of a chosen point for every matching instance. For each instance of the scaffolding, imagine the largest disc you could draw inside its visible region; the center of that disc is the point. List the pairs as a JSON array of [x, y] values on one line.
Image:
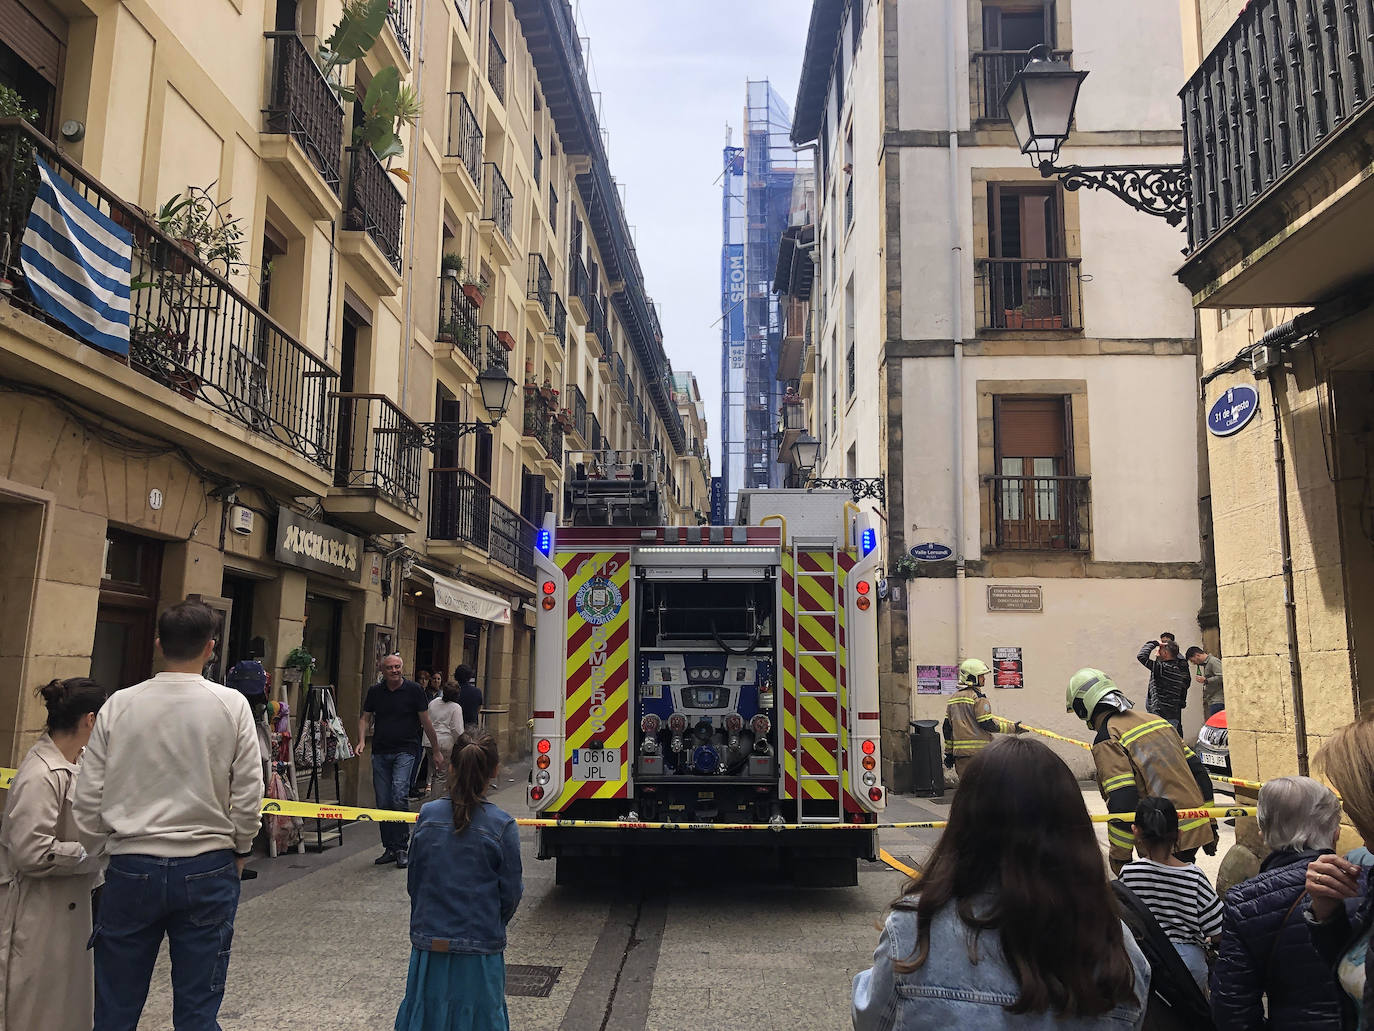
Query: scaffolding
[[758, 180]]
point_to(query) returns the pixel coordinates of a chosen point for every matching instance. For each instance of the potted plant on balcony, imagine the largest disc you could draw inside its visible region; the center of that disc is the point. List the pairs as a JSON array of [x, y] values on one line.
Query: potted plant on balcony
[[451, 265], [448, 330], [565, 419], [201, 228], [507, 341], [166, 352]]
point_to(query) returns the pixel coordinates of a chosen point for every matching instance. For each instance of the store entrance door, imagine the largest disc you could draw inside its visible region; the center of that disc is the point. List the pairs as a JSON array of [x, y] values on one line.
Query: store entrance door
[[126, 620], [431, 646], [323, 627]]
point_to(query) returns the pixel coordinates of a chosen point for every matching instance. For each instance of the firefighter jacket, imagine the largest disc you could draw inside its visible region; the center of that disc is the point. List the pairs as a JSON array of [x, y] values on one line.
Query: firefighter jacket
[[1139, 756], [970, 723]]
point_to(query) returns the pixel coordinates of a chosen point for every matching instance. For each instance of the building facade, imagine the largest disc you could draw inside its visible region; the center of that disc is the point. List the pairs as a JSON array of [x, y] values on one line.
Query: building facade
[[297, 433], [1003, 370], [1279, 267], [691, 484], [757, 185]]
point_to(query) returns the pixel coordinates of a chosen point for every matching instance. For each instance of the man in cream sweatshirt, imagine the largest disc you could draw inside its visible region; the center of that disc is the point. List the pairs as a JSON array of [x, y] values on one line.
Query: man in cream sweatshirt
[[171, 787]]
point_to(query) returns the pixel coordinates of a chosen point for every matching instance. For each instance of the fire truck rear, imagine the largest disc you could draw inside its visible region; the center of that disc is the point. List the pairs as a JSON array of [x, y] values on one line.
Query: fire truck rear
[[706, 675]]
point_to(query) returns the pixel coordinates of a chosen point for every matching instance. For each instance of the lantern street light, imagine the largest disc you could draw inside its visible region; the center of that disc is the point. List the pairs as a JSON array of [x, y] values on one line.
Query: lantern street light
[[806, 451], [1040, 102], [496, 388]]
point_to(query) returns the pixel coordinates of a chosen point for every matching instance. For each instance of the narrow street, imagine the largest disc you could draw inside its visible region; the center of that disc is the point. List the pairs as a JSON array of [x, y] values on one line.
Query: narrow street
[[321, 942]]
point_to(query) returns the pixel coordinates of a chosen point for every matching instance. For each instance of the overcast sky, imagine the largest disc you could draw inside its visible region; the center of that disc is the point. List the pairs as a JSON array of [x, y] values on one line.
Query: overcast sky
[[671, 76]]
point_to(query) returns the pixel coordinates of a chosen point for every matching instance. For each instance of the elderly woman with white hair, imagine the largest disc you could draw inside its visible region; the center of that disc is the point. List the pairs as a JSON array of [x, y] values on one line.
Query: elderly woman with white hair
[[1266, 951]]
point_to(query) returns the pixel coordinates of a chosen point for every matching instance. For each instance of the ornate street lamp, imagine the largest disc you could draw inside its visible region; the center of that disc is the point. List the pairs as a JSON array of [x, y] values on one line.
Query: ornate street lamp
[[1040, 102], [496, 389], [806, 451]]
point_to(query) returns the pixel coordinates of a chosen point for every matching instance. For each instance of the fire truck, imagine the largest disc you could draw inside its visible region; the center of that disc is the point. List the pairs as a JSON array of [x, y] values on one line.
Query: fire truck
[[705, 675]]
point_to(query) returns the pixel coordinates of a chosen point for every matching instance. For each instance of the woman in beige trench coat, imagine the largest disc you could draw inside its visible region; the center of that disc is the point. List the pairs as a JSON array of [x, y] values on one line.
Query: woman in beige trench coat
[[46, 877]]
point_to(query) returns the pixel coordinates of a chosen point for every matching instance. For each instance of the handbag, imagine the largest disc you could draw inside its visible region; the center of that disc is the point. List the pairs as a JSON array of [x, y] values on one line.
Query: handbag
[[322, 740]]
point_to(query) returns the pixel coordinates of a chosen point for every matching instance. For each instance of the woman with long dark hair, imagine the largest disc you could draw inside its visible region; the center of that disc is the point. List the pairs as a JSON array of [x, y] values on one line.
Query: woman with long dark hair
[[464, 883], [47, 979], [1012, 924]]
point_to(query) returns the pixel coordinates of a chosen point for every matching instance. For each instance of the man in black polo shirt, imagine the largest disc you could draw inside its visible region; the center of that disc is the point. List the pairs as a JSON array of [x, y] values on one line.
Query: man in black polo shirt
[[399, 711]]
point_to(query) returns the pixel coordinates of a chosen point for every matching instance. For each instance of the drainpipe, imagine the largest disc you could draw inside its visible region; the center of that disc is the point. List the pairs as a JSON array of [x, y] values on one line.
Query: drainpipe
[[954, 10], [406, 332], [1290, 606]]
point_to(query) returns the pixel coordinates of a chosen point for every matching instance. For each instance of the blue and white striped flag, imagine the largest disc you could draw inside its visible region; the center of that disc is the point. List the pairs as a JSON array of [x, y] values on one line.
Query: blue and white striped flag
[[78, 263]]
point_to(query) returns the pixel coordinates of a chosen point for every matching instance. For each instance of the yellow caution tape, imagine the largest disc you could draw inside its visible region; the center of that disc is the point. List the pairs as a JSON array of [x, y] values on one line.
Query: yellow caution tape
[[1057, 737], [1253, 785], [886, 857]]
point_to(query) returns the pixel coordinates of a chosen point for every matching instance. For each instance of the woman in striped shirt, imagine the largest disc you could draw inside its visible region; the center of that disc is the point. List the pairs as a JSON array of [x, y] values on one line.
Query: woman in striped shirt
[[1178, 894]]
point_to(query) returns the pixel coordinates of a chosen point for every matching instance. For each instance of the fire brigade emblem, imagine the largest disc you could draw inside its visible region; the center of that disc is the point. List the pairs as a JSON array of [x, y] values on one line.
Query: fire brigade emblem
[[599, 601]]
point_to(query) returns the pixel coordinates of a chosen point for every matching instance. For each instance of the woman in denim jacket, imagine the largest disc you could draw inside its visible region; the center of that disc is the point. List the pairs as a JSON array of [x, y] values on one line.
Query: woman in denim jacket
[[1013, 924], [464, 883]]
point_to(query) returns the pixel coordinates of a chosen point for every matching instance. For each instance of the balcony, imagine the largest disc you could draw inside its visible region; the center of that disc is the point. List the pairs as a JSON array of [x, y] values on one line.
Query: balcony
[[497, 206], [537, 426], [1037, 513], [458, 322], [303, 125], [463, 153], [496, 69], [1277, 136], [376, 465], [209, 368], [459, 508], [597, 333], [993, 71], [512, 540], [398, 20], [374, 209], [560, 323], [1041, 294], [579, 414], [539, 293], [618, 363], [594, 441], [495, 355], [794, 324], [579, 290]]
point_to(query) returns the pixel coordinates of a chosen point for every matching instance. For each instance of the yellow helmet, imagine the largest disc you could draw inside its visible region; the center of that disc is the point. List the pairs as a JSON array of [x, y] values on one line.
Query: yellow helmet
[[970, 670], [1089, 688]]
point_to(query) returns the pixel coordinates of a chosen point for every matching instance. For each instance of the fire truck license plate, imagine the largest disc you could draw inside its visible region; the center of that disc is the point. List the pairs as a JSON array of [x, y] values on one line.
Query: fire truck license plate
[[596, 764]]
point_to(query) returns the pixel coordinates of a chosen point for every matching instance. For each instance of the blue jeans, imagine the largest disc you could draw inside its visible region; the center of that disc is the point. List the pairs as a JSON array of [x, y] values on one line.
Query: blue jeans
[[1195, 959], [191, 900], [391, 776]]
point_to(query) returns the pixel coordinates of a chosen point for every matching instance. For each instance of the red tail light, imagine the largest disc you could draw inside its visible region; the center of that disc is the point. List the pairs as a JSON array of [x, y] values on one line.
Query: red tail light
[[876, 794], [549, 587], [537, 792], [869, 747], [862, 587], [544, 746]]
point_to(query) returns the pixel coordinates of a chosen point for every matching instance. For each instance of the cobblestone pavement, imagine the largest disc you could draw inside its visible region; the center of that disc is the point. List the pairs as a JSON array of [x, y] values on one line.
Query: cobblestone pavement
[[321, 943]]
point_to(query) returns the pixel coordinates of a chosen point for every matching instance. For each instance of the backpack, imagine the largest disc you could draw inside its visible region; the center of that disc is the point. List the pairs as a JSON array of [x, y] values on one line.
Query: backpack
[[248, 677], [1175, 1002]]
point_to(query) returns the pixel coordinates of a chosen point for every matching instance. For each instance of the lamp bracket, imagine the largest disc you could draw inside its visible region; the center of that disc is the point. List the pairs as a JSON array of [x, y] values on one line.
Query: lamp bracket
[[433, 435], [861, 487], [1161, 190]]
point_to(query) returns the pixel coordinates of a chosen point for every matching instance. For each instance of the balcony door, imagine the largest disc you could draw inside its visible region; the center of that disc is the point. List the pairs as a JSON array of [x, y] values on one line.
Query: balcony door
[[1033, 494], [1029, 288], [1010, 30]]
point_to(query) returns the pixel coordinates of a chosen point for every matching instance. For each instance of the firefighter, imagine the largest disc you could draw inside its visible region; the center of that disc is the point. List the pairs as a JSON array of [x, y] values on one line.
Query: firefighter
[[969, 720], [1138, 755]]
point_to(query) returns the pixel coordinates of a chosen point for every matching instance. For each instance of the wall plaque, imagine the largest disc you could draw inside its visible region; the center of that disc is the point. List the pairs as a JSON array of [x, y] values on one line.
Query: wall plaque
[[1015, 598]]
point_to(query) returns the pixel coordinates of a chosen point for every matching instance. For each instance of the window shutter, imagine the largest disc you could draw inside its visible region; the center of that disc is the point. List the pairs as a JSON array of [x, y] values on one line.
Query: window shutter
[[37, 36], [1031, 427]]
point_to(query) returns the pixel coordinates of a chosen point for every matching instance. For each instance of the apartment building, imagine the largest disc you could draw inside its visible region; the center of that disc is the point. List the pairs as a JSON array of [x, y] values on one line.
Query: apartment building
[[1278, 126], [297, 432], [1005, 371], [691, 487]]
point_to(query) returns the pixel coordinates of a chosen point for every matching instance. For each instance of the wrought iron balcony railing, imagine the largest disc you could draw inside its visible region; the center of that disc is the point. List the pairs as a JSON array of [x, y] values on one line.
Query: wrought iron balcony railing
[[374, 203], [538, 419], [596, 322], [302, 104], [556, 443], [493, 353], [458, 320], [497, 202], [459, 508], [620, 377], [465, 136], [377, 447], [560, 321], [1030, 294], [860, 487], [398, 17], [540, 284], [190, 329], [1282, 80], [512, 540], [496, 68], [579, 411], [594, 440], [993, 71], [579, 285], [1038, 513]]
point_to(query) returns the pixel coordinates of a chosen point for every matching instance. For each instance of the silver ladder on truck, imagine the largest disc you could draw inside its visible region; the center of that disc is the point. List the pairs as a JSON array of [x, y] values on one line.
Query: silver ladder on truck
[[822, 606]]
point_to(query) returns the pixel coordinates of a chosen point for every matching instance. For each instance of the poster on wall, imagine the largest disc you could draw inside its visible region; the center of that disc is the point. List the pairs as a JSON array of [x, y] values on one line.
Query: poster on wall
[[927, 679], [949, 679], [1007, 670]]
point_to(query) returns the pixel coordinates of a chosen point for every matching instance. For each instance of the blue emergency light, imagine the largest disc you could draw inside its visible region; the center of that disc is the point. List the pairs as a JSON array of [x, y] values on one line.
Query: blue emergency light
[[545, 542], [869, 541]]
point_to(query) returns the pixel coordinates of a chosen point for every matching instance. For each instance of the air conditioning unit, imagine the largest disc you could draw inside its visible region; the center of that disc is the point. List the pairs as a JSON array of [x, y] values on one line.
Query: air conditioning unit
[[241, 520]]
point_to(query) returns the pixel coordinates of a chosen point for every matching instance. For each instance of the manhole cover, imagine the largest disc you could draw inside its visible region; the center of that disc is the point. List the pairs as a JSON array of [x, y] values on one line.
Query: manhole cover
[[531, 982]]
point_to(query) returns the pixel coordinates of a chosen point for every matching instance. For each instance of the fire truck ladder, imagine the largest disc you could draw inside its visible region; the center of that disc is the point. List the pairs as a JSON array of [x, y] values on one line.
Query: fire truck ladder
[[804, 606]]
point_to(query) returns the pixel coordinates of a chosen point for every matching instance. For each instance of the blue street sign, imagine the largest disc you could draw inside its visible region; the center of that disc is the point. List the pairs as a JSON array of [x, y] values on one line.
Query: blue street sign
[[1230, 412], [931, 552]]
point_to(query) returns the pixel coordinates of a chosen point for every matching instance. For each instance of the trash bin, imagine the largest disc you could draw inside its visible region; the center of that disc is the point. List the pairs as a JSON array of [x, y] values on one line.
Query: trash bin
[[927, 759]]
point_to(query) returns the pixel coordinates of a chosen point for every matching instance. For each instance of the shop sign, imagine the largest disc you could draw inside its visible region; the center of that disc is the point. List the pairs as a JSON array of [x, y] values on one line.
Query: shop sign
[[1015, 598], [318, 548], [717, 501], [452, 596], [1007, 670], [1230, 412], [931, 552]]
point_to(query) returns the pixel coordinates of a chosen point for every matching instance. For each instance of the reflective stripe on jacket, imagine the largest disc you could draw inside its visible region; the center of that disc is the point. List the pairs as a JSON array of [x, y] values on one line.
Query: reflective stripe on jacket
[[972, 723], [1139, 756]]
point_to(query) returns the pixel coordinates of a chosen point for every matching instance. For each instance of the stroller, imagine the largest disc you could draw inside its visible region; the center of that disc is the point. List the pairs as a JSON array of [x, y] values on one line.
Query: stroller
[[1175, 1003]]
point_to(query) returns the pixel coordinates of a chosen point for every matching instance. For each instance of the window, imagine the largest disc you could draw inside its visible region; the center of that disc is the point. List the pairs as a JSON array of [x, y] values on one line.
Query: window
[[849, 373], [1029, 284], [1010, 30], [856, 24], [33, 53], [553, 208], [538, 162], [1035, 494]]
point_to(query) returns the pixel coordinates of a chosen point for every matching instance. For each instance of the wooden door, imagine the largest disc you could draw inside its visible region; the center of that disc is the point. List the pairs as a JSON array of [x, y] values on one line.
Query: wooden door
[[1034, 502]]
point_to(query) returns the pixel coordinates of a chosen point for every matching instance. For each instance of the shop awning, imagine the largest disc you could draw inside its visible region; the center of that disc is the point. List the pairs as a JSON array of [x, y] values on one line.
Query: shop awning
[[466, 600]]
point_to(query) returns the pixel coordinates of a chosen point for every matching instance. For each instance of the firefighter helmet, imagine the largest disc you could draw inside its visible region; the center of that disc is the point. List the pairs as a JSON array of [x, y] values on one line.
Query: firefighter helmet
[[1089, 688], [970, 670]]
